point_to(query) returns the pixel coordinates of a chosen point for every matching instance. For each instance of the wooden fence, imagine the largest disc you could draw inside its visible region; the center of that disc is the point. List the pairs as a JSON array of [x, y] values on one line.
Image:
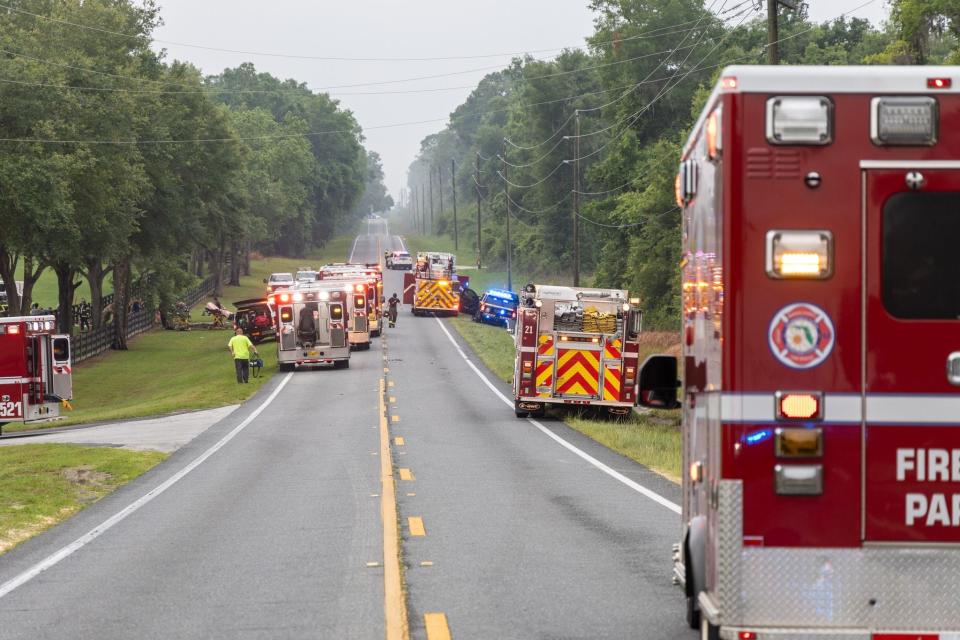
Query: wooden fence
[[91, 343]]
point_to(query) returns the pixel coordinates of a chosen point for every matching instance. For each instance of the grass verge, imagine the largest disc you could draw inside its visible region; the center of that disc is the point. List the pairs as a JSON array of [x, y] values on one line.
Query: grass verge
[[163, 372], [652, 439], [43, 484]]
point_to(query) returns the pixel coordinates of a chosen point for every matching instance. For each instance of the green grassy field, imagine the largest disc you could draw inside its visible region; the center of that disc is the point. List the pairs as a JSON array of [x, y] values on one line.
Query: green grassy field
[[652, 439], [162, 372], [43, 484]]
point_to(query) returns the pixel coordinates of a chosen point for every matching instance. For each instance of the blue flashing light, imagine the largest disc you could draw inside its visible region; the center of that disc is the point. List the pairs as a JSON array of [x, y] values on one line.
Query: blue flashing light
[[502, 294], [758, 436]]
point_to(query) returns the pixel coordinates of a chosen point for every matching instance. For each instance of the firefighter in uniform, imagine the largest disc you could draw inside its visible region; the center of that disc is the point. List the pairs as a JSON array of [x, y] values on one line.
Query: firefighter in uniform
[[392, 309]]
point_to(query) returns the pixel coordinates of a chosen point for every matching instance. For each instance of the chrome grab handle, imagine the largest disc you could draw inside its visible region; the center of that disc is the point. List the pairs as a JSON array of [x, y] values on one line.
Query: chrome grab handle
[[953, 368]]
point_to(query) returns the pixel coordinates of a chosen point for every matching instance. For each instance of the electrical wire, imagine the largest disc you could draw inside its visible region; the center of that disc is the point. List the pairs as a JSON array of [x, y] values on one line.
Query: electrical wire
[[653, 33], [623, 226], [540, 211]]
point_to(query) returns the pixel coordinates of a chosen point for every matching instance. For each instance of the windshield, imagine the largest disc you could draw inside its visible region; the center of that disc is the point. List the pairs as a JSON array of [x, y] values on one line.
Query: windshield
[[306, 275], [281, 277]]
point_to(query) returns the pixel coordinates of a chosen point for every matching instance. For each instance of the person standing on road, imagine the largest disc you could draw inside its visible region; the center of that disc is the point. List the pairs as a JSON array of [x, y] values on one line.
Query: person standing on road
[[392, 309], [240, 346]]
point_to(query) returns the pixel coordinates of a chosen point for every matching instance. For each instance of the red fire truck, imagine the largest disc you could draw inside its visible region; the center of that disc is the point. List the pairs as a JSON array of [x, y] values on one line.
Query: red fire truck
[[821, 355], [434, 285], [35, 370], [576, 346]]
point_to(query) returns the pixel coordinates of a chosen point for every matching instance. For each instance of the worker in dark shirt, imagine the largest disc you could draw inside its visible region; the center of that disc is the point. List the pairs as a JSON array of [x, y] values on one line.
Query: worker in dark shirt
[[392, 305]]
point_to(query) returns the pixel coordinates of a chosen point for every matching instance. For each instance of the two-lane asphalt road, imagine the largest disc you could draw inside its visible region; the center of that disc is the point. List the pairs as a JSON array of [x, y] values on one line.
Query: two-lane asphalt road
[[269, 524]]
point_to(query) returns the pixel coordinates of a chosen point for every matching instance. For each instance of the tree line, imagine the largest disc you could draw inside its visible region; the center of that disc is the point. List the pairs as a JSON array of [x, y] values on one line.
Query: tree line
[[632, 94], [117, 163]]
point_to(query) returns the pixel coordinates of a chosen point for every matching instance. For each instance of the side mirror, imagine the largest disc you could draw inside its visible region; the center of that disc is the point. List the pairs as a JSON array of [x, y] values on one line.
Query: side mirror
[[636, 323], [657, 387], [383, 299], [264, 281]]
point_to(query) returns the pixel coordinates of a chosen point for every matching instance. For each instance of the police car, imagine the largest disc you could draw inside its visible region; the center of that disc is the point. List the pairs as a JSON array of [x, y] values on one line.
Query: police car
[[497, 306]]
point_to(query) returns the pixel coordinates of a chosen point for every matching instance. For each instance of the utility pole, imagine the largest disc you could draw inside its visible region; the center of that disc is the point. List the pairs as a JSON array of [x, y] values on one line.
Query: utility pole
[[476, 183], [412, 205], [440, 188], [430, 179], [423, 210], [576, 199], [506, 193], [773, 31], [453, 191]]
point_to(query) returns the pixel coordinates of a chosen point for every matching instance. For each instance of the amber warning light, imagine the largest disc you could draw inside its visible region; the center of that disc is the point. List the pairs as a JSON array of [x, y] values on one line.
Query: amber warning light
[[798, 406]]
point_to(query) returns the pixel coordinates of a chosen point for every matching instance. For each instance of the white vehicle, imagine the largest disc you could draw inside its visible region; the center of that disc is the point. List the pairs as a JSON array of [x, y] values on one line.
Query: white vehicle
[[399, 260], [311, 325], [306, 275]]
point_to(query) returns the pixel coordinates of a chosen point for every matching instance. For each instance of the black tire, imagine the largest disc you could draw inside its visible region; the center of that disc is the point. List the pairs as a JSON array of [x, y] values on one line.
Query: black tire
[[520, 413], [693, 614], [539, 413], [286, 366], [341, 364]]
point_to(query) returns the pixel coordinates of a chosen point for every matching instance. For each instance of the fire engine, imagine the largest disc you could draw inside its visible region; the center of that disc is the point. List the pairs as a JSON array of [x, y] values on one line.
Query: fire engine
[[312, 324], [821, 355], [36, 374], [365, 306], [576, 346], [434, 285]]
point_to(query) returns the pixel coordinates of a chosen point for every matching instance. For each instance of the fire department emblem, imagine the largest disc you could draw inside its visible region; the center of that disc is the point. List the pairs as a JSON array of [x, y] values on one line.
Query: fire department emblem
[[801, 335]]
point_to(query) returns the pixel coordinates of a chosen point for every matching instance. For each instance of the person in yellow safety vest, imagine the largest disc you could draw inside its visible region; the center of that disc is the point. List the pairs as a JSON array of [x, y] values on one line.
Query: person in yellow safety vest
[[240, 346]]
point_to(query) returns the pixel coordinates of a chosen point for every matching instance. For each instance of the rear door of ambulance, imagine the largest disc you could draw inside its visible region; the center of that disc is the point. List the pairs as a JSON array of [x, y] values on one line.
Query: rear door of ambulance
[[911, 364]]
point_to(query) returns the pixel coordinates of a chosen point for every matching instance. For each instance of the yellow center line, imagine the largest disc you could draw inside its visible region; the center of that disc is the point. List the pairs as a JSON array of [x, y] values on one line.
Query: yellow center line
[[399, 441], [406, 474], [394, 602], [416, 526], [436, 624]]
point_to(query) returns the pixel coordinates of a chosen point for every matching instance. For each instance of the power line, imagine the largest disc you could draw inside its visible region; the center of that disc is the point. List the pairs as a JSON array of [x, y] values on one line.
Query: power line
[[623, 226], [653, 33]]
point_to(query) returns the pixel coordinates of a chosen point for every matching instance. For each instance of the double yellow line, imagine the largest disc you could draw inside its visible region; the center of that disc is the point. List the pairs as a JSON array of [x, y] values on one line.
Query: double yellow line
[[394, 604]]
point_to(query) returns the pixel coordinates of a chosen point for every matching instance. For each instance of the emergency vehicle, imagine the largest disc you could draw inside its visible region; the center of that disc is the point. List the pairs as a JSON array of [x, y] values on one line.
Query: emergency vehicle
[[434, 285], [576, 346], [821, 355], [366, 320], [311, 322], [36, 375]]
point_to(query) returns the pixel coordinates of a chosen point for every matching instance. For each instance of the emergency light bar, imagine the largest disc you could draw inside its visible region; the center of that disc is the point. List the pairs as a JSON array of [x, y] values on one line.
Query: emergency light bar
[[904, 121], [799, 254], [800, 120]]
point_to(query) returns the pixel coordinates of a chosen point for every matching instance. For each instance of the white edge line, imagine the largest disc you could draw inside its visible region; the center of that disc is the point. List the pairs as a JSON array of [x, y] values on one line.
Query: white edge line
[[354, 248], [639, 488], [118, 517]]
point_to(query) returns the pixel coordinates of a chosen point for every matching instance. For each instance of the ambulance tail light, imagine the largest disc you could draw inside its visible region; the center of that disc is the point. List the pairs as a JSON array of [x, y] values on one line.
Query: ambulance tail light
[[804, 255], [802, 405], [747, 635], [904, 121], [629, 376], [798, 442], [359, 288], [284, 297], [799, 120], [359, 302], [13, 329], [286, 314], [336, 312]]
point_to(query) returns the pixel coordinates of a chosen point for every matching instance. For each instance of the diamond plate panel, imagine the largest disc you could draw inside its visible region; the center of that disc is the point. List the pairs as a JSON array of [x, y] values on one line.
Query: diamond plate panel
[[873, 588]]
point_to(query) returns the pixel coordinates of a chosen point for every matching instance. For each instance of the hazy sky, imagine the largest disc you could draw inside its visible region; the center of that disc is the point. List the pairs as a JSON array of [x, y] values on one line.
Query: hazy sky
[[390, 29]]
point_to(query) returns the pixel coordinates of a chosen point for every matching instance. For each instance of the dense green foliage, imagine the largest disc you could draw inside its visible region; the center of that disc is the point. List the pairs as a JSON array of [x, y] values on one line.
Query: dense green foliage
[[636, 91], [117, 163]]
